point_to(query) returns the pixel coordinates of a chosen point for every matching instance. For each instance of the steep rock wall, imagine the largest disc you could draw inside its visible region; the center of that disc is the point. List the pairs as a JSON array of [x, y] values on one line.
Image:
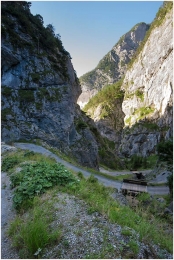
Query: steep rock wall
[[113, 66], [148, 87], [40, 89]]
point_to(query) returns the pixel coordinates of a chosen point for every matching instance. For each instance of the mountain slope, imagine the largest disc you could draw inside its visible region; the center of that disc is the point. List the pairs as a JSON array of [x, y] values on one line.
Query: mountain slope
[[143, 116], [114, 64]]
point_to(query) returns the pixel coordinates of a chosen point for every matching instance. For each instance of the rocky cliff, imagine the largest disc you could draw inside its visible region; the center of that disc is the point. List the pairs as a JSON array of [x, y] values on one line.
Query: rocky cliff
[[114, 64], [137, 114], [40, 88], [148, 86]]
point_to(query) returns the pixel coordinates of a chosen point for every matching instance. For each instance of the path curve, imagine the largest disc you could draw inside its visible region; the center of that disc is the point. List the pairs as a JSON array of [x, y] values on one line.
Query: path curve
[[162, 190]]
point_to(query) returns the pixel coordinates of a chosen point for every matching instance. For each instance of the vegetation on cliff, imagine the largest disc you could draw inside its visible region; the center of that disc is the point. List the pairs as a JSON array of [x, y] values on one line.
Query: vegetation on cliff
[[107, 97]]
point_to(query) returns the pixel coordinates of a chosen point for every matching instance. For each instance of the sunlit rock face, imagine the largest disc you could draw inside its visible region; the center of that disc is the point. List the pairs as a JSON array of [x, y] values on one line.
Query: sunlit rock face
[[113, 66], [148, 86]]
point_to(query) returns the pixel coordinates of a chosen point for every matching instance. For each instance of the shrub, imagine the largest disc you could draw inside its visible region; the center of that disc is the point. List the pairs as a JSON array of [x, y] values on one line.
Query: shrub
[[165, 151], [80, 124], [26, 95], [9, 163], [36, 179], [92, 179], [137, 162]]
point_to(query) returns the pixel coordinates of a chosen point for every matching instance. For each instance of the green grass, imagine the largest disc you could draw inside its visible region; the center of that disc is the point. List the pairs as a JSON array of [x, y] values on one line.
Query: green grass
[[31, 233]]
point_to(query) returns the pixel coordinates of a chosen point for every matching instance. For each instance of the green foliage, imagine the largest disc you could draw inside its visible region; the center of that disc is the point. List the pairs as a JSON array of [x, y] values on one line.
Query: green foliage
[[26, 95], [9, 162], [106, 65], [107, 96], [165, 151], [142, 112], [138, 162], [134, 246], [80, 175], [32, 233], [36, 179], [6, 91], [141, 162], [128, 120], [53, 95], [87, 76], [35, 77], [151, 126], [160, 16], [126, 232], [5, 112], [143, 196], [92, 179], [80, 124], [140, 94]]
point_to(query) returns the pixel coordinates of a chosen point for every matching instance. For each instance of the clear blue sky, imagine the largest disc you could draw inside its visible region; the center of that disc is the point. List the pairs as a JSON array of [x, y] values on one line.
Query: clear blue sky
[[90, 29]]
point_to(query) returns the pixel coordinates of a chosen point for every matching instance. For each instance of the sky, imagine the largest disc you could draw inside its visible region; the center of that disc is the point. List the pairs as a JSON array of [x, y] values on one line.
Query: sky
[[89, 29]]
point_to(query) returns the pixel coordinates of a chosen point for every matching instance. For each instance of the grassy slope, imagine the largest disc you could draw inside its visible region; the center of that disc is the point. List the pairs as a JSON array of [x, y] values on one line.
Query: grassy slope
[[147, 224]]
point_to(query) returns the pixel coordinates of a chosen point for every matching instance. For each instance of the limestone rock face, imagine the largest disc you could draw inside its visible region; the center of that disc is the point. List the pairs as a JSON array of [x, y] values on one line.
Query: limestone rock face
[[113, 66], [40, 91], [148, 104]]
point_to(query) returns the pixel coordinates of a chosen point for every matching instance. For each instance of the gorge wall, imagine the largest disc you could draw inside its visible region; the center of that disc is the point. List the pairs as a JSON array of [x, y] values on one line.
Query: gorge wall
[[114, 64], [40, 88], [148, 86], [140, 115]]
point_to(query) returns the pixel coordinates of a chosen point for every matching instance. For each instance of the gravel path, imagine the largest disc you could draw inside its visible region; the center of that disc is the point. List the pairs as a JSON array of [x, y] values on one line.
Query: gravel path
[[162, 190]]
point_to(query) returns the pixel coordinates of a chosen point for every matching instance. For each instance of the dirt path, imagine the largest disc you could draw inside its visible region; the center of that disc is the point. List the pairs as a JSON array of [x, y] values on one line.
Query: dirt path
[[162, 190]]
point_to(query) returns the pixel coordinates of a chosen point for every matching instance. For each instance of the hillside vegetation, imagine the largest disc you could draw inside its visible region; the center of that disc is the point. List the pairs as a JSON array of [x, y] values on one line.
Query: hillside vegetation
[[40, 229], [107, 98]]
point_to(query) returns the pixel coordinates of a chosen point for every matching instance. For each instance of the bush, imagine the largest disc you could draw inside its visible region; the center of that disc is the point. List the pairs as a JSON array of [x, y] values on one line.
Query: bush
[[138, 161], [165, 151], [92, 179], [9, 163], [35, 179]]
